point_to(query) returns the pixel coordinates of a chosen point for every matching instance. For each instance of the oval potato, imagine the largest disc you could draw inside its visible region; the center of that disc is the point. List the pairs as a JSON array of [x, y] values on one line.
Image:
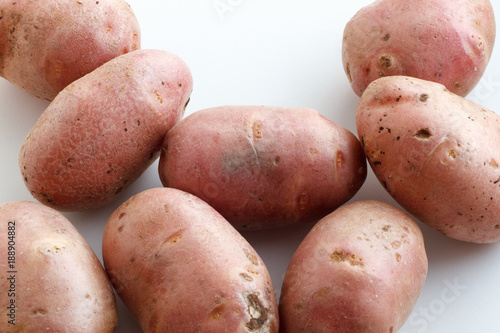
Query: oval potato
[[449, 42], [263, 166], [104, 130], [436, 153], [46, 45], [360, 269], [179, 266], [52, 280]]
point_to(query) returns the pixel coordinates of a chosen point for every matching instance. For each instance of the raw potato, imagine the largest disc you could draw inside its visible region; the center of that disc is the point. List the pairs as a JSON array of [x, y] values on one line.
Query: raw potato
[[436, 153], [46, 45], [179, 266], [50, 278], [360, 269], [449, 42], [262, 166], [104, 130]]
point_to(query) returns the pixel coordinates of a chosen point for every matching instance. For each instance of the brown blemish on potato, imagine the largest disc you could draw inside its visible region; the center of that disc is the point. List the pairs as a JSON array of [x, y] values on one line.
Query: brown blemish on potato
[[217, 312], [452, 154], [348, 72], [323, 292], [339, 158], [386, 37], [423, 98], [258, 313], [423, 134], [256, 129], [302, 201], [385, 61], [398, 257], [313, 151], [39, 312], [493, 164], [175, 237], [246, 277], [386, 228], [253, 259], [339, 256], [396, 244]]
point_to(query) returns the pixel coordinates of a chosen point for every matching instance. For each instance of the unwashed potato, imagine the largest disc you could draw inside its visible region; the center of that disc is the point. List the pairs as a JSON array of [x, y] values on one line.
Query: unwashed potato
[[50, 278], [103, 130], [449, 42], [179, 266], [360, 269], [436, 153], [46, 45], [263, 166]]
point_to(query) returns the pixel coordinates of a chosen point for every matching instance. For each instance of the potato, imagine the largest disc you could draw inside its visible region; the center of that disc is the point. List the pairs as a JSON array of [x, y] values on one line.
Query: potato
[[360, 269], [179, 266], [449, 42], [436, 153], [46, 45], [104, 130], [263, 166], [50, 278]]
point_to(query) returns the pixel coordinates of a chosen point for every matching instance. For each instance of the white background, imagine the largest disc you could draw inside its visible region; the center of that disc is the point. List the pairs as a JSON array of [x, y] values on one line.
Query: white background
[[266, 52]]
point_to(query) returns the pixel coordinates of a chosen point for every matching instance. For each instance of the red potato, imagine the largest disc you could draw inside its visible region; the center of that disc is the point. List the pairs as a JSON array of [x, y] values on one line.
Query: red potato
[[262, 166], [179, 266], [50, 278], [449, 42], [360, 269], [436, 153], [104, 130], [46, 45]]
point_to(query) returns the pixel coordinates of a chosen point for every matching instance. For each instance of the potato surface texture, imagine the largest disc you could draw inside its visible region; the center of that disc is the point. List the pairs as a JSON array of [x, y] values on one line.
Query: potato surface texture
[[179, 266], [102, 131], [436, 153], [263, 166], [449, 42], [359, 269], [46, 45], [53, 281]]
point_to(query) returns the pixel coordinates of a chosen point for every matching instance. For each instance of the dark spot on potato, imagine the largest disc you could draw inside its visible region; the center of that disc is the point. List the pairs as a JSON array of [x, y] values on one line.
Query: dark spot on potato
[[121, 215], [342, 256], [398, 257], [217, 312], [497, 226], [185, 105], [385, 61], [377, 163], [386, 228], [423, 134], [253, 259], [246, 277], [348, 72], [386, 37], [457, 85], [423, 98], [398, 138], [132, 260], [39, 312], [179, 84], [258, 313], [120, 228]]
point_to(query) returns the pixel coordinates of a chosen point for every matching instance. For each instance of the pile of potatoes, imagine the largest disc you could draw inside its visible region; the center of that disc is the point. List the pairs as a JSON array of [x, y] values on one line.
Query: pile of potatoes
[[175, 255]]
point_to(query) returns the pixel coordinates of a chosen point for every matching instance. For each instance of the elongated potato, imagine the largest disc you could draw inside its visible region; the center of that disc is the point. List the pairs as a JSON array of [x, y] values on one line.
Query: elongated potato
[[262, 166], [46, 45], [50, 278], [180, 267], [436, 153], [449, 42], [360, 269], [104, 130]]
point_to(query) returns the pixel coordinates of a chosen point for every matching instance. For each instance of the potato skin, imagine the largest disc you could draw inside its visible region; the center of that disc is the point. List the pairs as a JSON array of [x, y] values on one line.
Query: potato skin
[[263, 166], [59, 284], [104, 130], [46, 45], [360, 269], [449, 42], [179, 266], [436, 153]]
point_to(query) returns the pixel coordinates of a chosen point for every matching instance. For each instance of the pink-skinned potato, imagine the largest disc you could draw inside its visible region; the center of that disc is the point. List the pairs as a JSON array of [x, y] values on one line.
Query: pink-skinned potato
[[263, 166], [46, 45], [104, 130], [179, 266], [359, 269], [50, 278], [436, 153], [449, 42]]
